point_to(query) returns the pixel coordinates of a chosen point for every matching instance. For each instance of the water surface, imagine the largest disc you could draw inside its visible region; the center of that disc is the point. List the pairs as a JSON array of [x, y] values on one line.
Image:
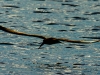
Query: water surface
[[72, 19]]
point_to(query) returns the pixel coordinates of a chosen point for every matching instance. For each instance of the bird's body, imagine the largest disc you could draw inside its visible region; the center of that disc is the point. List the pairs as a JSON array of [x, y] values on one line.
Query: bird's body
[[50, 41]]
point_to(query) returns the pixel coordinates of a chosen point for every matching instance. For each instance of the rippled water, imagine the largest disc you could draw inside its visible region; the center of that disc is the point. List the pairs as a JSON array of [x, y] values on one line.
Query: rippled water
[[72, 19]]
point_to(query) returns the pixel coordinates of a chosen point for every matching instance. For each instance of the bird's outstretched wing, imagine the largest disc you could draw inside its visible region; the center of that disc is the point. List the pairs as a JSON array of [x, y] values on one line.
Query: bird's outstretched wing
[[20, 33]]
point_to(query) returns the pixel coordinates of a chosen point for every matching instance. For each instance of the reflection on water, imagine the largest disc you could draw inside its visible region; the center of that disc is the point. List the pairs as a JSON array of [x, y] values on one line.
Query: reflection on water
[[72, 19]]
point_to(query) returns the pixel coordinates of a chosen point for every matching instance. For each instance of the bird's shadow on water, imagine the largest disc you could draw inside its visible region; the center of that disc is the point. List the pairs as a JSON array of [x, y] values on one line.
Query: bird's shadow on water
[[28, 44], [21, 44]]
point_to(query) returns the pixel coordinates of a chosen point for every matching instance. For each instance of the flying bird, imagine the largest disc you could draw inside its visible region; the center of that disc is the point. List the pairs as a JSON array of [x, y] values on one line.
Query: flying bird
[[46, 40]]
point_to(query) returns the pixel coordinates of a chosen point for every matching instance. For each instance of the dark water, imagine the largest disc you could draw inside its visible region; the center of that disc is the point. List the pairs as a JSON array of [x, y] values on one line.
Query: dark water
[[72, 19]]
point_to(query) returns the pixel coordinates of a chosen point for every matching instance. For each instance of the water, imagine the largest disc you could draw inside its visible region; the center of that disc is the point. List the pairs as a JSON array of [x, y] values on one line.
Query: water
[[73, 19]]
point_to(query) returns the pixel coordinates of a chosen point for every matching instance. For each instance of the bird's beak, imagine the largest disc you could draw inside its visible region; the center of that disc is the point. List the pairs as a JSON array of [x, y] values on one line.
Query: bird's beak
[[41, 45]]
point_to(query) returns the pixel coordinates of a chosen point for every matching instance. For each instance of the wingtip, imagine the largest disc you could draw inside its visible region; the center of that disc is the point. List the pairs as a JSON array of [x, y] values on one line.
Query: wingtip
[[2, 28]]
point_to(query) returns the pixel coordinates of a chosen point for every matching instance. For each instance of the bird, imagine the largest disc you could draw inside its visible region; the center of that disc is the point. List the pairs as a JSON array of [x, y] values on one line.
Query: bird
[[46, 40]]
